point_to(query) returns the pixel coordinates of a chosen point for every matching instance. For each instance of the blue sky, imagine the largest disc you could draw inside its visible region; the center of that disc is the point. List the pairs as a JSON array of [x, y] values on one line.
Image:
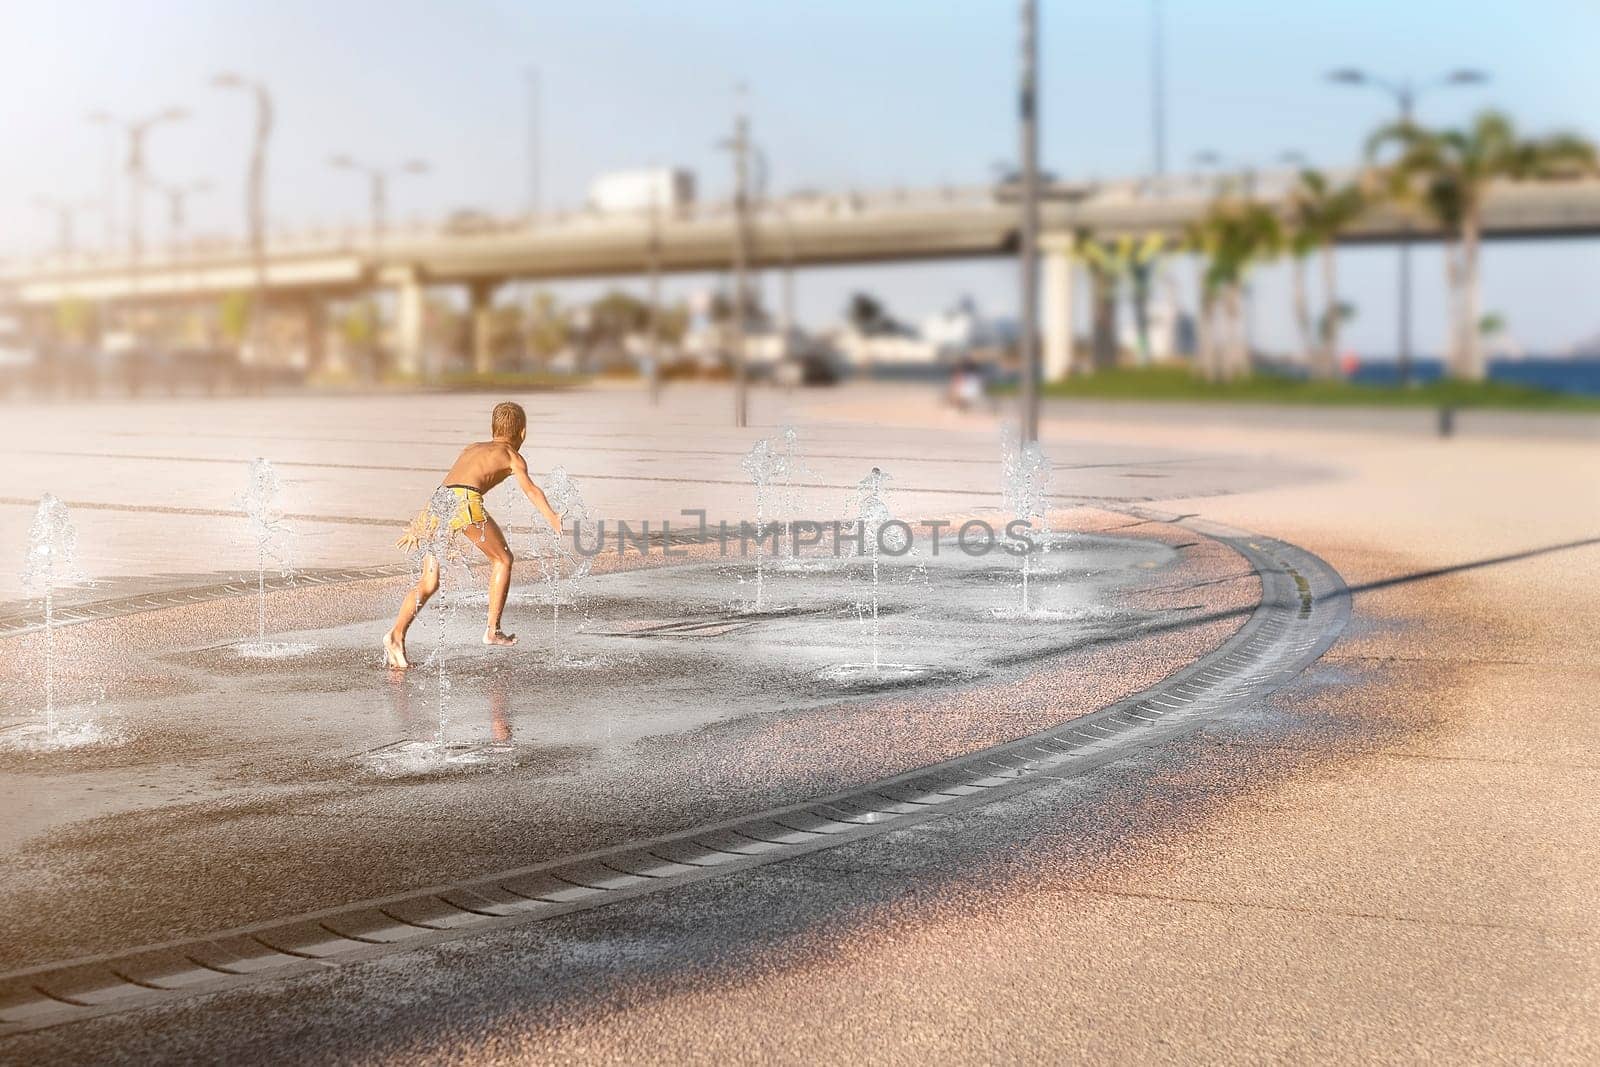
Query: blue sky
[[841, 93]]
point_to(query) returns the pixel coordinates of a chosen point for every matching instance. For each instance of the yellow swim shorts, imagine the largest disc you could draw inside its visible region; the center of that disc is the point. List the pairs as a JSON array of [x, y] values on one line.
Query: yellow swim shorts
[[469, 509], [469, 512]]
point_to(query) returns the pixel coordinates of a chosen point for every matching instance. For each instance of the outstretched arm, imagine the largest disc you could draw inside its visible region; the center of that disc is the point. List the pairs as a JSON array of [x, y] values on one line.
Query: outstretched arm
[[535, 495]]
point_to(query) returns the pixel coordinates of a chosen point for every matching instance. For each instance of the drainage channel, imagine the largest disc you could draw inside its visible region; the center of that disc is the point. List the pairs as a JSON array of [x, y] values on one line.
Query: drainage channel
[[1304, 606]]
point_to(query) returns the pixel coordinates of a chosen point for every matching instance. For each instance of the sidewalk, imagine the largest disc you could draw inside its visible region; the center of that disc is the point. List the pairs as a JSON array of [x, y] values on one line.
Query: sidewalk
[[1398, 860]]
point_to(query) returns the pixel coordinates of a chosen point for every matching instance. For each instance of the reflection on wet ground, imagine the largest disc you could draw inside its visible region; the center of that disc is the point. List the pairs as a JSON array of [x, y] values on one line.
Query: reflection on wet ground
[[653, 651], [667, 702]]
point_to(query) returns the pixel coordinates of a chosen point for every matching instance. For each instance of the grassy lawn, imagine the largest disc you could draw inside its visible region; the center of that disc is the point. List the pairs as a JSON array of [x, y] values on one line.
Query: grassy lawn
[[1179, 383], [494, 382]]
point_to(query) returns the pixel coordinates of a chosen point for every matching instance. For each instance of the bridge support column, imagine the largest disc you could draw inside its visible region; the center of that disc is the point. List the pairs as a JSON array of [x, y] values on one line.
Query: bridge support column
[[1058, 275], [482, 298], [410, 318]]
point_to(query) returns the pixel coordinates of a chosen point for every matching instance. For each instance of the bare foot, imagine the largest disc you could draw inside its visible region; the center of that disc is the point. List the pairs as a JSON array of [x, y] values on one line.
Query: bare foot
[[495, 637], [394, 651]]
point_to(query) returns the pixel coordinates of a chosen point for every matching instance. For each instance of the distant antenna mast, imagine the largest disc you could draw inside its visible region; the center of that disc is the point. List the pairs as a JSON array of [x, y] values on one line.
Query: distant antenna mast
[[534, 190], [1158, 85]]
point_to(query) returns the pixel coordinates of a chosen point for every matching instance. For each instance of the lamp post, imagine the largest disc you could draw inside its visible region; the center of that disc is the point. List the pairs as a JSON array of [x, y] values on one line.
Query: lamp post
[[789, 328], [655, 297], [1405, 93], [134, 167], [177, 195], [378, 178], [1213, 160], [739, 145], [108, 209], [412, 314], [255, 200], [1027, 255], [66, 213], [764, 202]]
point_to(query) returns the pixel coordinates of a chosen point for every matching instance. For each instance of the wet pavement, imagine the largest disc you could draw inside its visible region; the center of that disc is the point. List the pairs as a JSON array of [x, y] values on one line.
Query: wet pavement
[[1389, 860], [663, 700]]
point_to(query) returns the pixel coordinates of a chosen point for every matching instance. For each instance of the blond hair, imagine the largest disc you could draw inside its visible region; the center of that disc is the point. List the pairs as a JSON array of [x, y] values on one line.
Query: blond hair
[[508, 420]]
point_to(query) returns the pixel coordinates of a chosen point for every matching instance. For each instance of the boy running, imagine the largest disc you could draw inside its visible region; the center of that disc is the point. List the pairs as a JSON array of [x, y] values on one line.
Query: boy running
[[479, 468]]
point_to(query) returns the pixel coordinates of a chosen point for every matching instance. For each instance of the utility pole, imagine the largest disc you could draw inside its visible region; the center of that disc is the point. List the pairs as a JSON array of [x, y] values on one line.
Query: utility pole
[[740, 146], [655, 297], [534, 190], [788, 284], [1158, 86], [1028, 327]]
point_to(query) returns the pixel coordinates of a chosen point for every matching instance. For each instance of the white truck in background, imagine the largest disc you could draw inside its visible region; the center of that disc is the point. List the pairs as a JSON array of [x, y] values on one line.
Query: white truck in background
[[669, 190]]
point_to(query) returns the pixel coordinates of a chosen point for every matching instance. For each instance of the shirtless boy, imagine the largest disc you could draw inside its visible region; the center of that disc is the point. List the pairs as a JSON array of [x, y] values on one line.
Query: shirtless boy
[[478, 469]]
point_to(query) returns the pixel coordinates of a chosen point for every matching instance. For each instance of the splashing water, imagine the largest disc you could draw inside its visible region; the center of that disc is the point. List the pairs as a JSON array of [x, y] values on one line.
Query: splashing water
[[436, 542], [48, 566], [567, 502], [52, 543], [880, 533], [791, 469], [1027, 491], [766, 464], [874, 518], [262, 504]]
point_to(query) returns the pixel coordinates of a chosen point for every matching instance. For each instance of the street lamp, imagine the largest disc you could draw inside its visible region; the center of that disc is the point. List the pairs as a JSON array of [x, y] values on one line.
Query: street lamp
[[1405, 95], [764, 201], [655, 296], [136, 130], [177, 195], [1406, 92], [1213, 160], [255, 198], [1028, 224], [739, 146], [66, 212], [378, 177]]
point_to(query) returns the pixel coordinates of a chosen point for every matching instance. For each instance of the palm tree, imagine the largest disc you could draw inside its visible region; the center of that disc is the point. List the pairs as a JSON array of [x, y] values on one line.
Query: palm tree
[[1232, 238], [1105, 277], [1300, 243], [1200, 239], [1318, 213], [1447, 174], [1110, 260], [1142, 255]]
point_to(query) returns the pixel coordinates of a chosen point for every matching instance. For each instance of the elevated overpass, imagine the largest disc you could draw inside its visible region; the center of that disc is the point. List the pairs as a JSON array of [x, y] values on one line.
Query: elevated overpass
[[801, 230]]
